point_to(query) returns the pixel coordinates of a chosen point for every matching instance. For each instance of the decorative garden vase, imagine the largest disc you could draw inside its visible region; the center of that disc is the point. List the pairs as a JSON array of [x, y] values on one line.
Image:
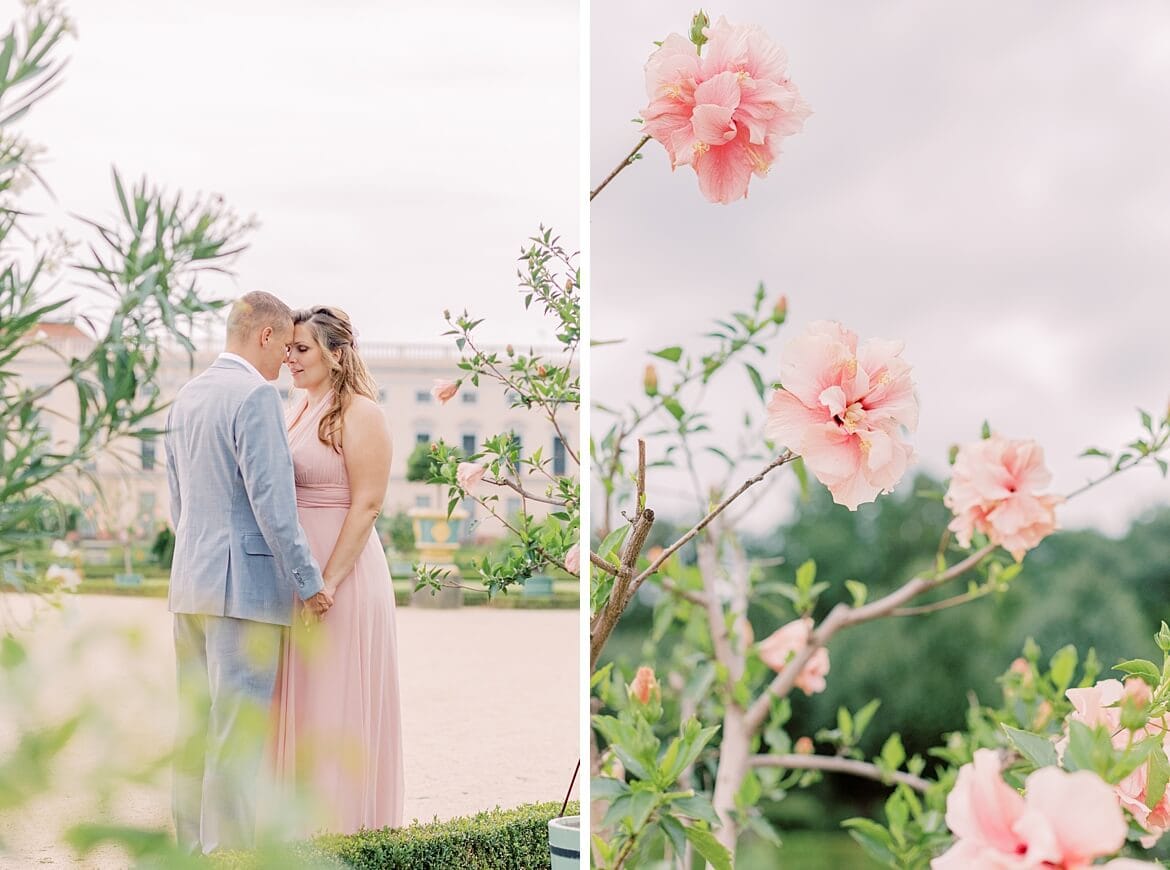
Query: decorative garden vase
[[564, 842], [436, 537]]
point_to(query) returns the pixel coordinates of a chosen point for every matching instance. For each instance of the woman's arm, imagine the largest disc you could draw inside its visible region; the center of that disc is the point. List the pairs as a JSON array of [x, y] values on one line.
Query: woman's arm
[[366, 442]]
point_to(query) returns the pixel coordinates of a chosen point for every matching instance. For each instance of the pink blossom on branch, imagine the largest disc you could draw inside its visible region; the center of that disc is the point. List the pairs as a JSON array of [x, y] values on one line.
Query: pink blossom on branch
[[843, 407], [469, 474], [444, 390], [994, 491], [789, 641], [573, 559], [724, 113], [1063, 820]]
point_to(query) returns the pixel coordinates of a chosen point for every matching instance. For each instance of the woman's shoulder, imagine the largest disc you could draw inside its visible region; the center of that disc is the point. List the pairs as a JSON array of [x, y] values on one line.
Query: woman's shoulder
[[364, 413]]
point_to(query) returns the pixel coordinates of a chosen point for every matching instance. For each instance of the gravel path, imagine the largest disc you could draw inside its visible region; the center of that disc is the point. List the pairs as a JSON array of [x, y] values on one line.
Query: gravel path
[[490, 710]]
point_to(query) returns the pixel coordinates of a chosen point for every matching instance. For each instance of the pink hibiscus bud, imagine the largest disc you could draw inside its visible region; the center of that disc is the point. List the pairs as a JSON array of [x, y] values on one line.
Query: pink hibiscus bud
[[1138, 691], [1043, 714], [844, 408], [445, 390], [645, 689], [785, 644], [995, 491], [1023, 670], [804, 746], [510, 351], [573, 559], [780, 310], [726, 112], [469, 474], [650, 381]]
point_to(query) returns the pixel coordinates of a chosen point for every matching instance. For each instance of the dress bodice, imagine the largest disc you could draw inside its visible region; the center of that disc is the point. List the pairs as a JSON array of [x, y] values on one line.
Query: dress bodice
[[319, 470]]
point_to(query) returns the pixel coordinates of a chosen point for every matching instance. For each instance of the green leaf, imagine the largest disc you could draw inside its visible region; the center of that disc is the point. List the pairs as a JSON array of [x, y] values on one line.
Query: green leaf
[[893, 754], [805, 575], [862, 717], [695, 807], [858, 590], [1157, 777], [12, 653], [872, 837], [1140, 668], [1037, 749], [613, 541], [1062, 666], [673, 354], [676, 833], [712, 850], [607, 789], [757, 381], [797, 466], [675, 409]]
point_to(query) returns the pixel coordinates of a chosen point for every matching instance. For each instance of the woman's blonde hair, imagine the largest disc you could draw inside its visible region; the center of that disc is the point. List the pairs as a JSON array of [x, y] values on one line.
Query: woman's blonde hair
[[333, 331]]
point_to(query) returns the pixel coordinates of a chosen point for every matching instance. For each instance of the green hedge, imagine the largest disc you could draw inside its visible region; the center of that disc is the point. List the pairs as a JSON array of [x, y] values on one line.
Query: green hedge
[[515, 839]]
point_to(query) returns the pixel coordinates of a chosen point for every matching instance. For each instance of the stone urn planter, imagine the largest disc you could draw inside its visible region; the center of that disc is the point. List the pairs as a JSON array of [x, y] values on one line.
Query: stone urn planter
[[564, 842], [436, 537]]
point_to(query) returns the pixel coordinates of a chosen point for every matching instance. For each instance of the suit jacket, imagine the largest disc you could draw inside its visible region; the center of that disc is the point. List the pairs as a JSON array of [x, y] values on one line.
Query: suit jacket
[[239, 550]]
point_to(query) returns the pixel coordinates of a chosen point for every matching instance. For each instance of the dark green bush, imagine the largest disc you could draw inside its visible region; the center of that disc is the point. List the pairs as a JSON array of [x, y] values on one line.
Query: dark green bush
[[515, 839]]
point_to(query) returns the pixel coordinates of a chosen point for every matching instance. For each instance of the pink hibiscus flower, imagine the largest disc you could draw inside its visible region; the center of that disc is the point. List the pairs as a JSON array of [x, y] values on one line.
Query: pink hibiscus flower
[[1099, 705], [784, 643], [725, 113], [994, 491], [1063, 820], [843, 407]]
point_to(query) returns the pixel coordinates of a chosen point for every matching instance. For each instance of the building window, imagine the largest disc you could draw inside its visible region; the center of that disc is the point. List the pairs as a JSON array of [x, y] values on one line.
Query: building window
[[423, 397], [469, 397], [517, 442], [559, 464], [422, 501], [148, 448], [512, 398], [381, 395], [422, 438], [512, 507], [146, 503], [468, 444]]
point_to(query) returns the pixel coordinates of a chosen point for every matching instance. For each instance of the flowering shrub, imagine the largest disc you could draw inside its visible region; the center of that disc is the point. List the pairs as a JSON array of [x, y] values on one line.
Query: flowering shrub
[[843, 411], [548, 386]]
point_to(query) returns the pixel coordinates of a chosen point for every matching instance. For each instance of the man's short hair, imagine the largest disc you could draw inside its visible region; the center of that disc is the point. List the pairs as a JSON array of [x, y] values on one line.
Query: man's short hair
[[254, 311]]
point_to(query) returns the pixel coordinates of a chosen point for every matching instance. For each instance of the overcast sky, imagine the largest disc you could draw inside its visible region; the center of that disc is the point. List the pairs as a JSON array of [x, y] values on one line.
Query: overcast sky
[[396, 155], [987, 182]]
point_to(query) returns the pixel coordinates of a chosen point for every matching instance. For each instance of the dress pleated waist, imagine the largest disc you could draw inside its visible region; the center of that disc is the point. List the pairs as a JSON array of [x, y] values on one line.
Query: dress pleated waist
[[322, 495]]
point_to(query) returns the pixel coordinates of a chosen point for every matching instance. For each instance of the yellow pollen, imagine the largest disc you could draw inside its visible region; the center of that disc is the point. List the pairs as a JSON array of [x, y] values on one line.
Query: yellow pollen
[[742, 76], [853, 416], [851, 367], [674, 91], [759, 164], [701, 148]]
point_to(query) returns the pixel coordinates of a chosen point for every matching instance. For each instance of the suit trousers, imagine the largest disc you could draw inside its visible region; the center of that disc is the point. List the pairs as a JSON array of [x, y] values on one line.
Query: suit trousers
[[227, 676]]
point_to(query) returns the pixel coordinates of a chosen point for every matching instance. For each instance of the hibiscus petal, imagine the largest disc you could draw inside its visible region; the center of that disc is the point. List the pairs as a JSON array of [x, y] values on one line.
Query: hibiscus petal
[[1080, 809]]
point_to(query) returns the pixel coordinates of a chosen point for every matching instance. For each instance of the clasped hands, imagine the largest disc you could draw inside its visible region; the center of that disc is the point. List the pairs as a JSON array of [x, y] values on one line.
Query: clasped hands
[[316, 607]]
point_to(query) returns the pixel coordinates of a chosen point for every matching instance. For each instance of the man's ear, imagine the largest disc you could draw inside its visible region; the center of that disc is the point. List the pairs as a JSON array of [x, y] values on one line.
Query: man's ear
[[265, 336]]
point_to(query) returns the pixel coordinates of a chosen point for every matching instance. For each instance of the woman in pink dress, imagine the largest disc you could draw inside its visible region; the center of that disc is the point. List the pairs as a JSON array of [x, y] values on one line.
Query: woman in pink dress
[[339, 735]]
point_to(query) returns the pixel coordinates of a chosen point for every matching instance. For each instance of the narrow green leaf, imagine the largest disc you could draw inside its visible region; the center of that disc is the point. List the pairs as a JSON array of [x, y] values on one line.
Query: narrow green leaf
[[672, 354], [712, 850]]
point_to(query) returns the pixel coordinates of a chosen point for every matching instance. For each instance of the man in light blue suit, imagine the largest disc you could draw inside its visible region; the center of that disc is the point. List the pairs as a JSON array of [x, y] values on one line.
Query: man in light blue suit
[[240, 557]]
